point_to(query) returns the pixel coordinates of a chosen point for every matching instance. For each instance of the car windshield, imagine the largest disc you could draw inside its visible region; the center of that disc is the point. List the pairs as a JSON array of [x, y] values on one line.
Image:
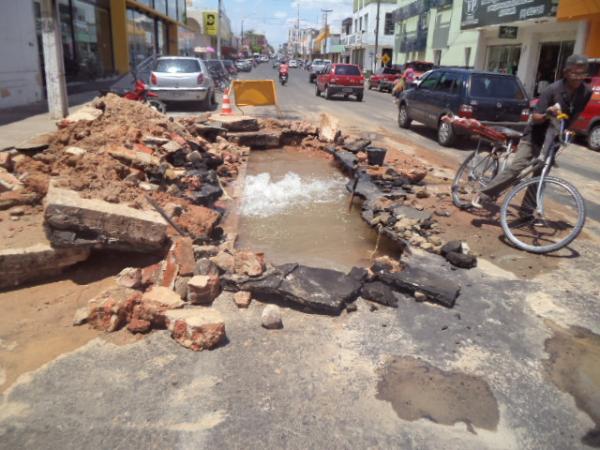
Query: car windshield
[[496, 86], [420, 67], [317, 62], [177, 66], [347, 70], [214, 65]]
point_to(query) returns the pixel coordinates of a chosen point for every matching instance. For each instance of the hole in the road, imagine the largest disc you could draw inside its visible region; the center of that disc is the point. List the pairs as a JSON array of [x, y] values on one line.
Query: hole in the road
[[418, 390], [574, 367], [295, 209]]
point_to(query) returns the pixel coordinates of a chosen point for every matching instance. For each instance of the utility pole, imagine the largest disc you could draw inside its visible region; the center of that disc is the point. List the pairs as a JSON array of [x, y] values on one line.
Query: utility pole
[[376, 36], [56, 86], [242, 37], [298, 30], [325, 12], [219, 30]]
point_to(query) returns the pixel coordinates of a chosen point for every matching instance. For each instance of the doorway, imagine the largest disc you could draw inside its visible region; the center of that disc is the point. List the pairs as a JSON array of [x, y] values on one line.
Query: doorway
[[552, 62]]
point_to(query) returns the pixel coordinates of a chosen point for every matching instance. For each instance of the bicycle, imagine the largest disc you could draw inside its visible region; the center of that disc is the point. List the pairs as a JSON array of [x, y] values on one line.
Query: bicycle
[[539, 204], [485, 162], [553, 208]]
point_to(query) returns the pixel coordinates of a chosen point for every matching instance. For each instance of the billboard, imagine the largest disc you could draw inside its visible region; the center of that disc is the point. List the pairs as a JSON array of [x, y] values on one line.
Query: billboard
[[210, 23], [481, 13]]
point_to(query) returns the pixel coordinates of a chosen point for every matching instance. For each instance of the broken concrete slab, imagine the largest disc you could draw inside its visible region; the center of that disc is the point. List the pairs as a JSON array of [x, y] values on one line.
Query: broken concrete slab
[[111, 310], [380, 292], [321, 290], [36, 143], [357, 145], [196, 328], [20, 265], [347, 160], [162, 298], [72, 220], [86, 112], [411, 279], [235, 123], [256, 139]]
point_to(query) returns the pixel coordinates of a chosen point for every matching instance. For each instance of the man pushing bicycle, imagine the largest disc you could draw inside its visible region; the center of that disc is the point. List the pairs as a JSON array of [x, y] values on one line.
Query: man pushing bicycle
[[569, 96]]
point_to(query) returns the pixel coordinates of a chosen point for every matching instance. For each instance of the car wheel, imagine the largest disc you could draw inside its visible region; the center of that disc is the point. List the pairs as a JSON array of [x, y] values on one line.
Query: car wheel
[[380, 88], [359, 97], [207, 103], [594, 138], [317, 91], [446, 136], [369, 85], [327, 93], [403, 118]]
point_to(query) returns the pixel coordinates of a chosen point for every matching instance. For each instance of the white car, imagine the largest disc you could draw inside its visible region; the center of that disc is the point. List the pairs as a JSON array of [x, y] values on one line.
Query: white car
[[293, 64]]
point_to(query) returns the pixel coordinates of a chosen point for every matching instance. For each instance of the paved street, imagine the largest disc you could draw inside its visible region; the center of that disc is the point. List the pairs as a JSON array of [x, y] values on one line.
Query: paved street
[[514, 365]]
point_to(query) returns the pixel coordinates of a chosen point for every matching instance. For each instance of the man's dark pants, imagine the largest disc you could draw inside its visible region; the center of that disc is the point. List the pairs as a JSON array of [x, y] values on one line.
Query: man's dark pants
[[523, 158]]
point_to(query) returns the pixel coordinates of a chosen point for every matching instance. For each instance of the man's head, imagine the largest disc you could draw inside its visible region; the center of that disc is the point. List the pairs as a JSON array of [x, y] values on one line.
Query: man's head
[[576, 70]]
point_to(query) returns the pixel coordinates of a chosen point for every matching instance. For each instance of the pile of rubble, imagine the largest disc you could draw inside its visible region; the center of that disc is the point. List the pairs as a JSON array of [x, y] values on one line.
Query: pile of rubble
[[119, 176]]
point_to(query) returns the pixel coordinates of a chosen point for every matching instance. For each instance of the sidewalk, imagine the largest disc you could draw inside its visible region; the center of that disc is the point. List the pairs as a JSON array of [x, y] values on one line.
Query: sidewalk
[[20, 123]]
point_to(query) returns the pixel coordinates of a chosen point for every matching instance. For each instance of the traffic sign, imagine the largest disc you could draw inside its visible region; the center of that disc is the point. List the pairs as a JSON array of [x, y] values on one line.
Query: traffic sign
[[385, 59]]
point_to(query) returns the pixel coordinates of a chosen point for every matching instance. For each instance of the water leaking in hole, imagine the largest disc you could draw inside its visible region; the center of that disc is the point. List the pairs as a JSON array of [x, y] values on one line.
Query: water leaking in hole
[[418, 390], [574, 367]]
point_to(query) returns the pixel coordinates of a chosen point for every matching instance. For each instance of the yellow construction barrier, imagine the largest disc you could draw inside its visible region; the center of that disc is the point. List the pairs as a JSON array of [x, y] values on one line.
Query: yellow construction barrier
[[254, 92]]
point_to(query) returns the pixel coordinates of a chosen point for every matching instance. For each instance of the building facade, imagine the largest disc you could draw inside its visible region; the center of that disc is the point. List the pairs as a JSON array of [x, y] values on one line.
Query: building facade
[[100, 38], [522, 38], [360, 43]]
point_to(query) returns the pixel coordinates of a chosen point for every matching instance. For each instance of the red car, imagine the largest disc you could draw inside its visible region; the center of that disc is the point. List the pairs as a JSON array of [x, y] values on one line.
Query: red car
[[588, 123], [344, 79], [384, 77]]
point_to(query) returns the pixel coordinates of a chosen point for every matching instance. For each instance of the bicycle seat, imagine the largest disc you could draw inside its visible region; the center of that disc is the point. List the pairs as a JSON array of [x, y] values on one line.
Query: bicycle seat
[[509, 132]]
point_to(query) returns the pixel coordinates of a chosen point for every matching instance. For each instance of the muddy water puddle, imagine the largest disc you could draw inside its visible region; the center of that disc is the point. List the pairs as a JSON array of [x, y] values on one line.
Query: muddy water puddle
[[418, 390], [295, 209], [574, 367]]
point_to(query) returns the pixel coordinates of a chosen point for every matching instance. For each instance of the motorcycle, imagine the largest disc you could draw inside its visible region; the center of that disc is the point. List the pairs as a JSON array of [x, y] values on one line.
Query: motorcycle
[[283, 77], [140, 93]]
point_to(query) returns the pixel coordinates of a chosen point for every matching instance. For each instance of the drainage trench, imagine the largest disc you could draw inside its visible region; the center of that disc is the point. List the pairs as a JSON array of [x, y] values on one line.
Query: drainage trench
[[295, 209]]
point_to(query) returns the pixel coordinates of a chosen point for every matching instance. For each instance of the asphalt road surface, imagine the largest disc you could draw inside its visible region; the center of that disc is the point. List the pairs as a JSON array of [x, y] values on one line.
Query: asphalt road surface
[[361, 380]]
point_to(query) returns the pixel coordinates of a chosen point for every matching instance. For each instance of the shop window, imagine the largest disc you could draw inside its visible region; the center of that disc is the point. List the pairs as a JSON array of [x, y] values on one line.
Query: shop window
[[172, 9], [504, 59], [141, 36], [161, 6], [552, 62]]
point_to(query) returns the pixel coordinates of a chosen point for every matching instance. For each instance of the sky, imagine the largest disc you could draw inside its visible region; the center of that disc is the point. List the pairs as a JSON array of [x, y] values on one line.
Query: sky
[[275, 17]]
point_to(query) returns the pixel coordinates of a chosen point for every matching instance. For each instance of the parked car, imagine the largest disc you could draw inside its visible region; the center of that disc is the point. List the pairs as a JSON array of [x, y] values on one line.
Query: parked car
[[230, 66], [383, 79], [588, 122], [317, 66], [345, 79], [263, 58], [492, 98], [293, 64], [182, 79]]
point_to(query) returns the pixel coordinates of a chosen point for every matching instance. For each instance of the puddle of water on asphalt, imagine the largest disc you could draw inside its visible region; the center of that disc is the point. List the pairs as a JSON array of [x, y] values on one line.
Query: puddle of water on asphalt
[[295, 209], [418, 390], [574, 367]]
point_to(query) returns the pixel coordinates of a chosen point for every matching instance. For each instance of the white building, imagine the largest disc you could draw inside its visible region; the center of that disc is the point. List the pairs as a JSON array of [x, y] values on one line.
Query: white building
[[20, 75], [361, 41]]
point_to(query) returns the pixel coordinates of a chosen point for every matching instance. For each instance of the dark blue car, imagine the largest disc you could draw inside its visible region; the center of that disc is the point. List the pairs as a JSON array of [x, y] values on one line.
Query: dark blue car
[[491, 98]]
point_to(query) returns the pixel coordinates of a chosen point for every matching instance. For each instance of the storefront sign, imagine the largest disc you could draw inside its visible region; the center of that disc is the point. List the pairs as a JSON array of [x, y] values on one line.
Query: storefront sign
[[210, 23], [480, 13], [508, 32]]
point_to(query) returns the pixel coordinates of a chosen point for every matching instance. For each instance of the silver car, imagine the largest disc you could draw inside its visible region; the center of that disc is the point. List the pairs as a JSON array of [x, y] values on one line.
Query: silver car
[[182, 79], [316, 67]]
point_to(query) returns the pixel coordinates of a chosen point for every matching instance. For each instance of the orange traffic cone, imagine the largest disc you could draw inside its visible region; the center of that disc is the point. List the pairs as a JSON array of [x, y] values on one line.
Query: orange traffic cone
[[226, 106]]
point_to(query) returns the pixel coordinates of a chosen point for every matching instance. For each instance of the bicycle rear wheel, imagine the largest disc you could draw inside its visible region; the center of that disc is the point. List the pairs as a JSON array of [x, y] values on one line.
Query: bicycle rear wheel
[[475, 172], [548, 228]]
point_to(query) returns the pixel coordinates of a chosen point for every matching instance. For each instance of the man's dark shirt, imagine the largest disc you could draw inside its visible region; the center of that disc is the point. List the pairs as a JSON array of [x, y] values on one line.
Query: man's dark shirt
[[571, 104]]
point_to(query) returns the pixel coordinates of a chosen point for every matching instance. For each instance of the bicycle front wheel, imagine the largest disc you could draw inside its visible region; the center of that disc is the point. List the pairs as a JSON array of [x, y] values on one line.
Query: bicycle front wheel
[[547, 227], [476, 172]]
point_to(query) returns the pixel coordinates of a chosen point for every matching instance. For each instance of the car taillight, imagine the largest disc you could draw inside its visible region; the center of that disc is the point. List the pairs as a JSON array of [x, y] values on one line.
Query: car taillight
[[525, 115], [153, 79], [200, 79], [465, 111]]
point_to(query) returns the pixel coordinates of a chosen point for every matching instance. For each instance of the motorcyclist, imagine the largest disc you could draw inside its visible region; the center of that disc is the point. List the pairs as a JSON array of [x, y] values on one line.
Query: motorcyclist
[[284, 69], [569, 95]]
